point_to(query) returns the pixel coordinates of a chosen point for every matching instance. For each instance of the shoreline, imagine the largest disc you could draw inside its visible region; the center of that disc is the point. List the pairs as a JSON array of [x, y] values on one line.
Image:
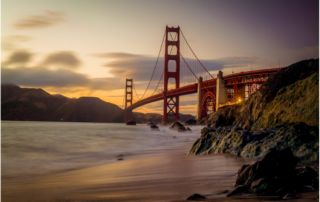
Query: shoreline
[[165, 174]]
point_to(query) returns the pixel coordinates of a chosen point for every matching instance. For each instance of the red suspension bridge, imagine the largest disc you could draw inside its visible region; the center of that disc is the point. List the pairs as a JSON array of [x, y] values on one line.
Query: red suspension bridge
[[178, 71]]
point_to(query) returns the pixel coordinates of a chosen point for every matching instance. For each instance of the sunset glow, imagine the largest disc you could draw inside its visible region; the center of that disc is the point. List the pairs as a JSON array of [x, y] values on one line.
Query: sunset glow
[[88, 48]]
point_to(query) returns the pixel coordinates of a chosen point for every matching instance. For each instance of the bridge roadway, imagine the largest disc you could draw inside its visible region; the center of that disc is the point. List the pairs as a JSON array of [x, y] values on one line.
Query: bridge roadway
[[258, 76]]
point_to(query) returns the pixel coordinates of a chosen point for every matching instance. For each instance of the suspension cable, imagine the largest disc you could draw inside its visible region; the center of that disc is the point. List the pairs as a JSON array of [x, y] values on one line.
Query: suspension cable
[[158, 83], [135, 91], [163, 70], [184, 60], [189, 67], [155, 65], [123, 99], [195, 54]]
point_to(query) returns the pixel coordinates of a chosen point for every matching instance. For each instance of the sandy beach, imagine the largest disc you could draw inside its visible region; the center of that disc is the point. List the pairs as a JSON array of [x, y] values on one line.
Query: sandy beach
[[166, 176]]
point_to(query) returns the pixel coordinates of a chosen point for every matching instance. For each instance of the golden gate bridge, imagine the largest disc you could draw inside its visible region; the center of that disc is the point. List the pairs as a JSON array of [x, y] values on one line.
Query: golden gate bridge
[[178, 71]]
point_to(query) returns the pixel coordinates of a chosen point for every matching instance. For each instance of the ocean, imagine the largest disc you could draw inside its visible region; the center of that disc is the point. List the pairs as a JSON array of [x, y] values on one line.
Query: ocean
[[33, 148], [75, 162]]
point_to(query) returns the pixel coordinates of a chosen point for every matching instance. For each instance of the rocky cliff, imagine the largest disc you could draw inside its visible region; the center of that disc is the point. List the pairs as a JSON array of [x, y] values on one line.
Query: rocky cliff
[[283, 113], [291, 95]]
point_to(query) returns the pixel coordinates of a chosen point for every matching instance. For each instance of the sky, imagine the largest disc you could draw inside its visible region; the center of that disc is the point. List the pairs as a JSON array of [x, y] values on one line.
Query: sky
[[88, 48]]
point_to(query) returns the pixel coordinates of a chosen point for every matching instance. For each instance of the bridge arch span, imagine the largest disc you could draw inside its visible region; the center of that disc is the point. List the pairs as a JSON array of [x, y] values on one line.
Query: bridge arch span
[[208, 103]]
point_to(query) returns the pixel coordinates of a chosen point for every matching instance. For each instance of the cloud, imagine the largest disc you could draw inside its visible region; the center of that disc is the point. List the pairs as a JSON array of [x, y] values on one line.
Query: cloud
[[46, 19], [60, 78], [116, 55], [63, 58], [140, 67], [20, 57], [20, 38]]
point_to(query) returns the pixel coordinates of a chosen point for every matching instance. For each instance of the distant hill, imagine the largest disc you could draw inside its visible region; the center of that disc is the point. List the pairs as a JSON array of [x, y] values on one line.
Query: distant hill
[[37, 105]]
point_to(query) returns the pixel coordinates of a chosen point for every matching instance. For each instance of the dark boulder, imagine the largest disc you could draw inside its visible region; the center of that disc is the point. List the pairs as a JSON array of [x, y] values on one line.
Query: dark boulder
[[275, 174], [315, 183], [196, 197], [154, 127], [177, 126], [191, 122], [131, 123], [306, 175], [151, 123], [182, 130], [239, 190], [291, 196], [275, 163], [242, 168], [206, 130], [188, 129]]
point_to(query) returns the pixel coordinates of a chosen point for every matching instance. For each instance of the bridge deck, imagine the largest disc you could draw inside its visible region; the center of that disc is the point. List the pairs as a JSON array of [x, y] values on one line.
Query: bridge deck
[[257, 76]]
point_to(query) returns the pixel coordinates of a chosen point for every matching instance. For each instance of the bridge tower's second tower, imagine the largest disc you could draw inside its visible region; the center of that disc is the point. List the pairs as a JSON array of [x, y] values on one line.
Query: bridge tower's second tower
[[171, 103], [128, 115]]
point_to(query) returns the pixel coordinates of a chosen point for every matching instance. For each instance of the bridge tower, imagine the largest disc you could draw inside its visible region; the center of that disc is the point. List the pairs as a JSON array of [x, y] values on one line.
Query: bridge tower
[[128, 115], [171, 104]]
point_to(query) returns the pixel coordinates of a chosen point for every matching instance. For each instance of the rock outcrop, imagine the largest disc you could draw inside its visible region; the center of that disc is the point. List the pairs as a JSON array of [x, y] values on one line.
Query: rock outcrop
[[177, 126], [301, 138], [196, 197], [132, 123], [275, 174], [154, 127], [283, 113]]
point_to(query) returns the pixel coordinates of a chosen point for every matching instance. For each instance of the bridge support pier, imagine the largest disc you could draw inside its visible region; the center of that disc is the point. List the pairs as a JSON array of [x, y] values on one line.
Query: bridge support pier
[[128, 116], [199, 98], [222, 91], [171, 104]]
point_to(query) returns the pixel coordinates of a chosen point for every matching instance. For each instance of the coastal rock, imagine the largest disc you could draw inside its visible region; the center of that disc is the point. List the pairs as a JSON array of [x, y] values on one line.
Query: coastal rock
[[154, 127], [131, 123], [301, 138], [291, 196], [238, 191], [196, 197], [191, 122], [188, 129], [274, 175], [182, 130], [177, 126], [275, 163], [315, 183], [306, 175]]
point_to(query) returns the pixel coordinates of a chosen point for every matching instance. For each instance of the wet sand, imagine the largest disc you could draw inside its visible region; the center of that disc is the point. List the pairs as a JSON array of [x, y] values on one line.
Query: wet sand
[[166, 176]]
